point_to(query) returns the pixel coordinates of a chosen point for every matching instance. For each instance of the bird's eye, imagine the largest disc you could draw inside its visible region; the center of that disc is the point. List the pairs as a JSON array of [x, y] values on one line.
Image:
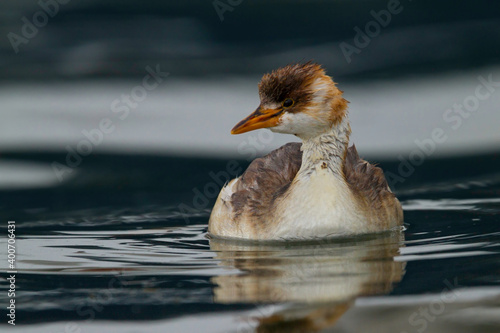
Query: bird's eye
[[287, 103]]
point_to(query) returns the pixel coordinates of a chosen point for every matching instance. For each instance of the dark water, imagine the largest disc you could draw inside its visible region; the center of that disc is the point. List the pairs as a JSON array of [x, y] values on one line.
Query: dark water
[[112, 250], [116, 38], [120, 245]]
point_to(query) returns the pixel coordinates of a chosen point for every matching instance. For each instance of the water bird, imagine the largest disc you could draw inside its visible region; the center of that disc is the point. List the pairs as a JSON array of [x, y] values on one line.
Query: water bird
[[314, 189]]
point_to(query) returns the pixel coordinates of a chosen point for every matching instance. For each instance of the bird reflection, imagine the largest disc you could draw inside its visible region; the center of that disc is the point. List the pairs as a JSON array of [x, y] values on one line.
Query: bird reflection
[[317, 281]]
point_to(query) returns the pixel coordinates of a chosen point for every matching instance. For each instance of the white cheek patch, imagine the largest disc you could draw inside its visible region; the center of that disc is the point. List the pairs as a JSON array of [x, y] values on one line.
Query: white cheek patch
[[296, 123]]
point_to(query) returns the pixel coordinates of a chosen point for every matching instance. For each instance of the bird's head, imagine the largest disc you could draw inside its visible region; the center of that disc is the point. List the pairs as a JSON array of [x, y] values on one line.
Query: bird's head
[[297, 99]]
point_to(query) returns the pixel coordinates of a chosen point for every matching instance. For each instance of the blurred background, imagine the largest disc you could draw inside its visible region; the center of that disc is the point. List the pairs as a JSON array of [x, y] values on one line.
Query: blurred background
[[62, 64], [115, 114]]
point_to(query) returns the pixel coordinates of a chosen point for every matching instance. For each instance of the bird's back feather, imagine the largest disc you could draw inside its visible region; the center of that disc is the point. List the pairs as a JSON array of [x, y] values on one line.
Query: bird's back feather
[[270, 176]]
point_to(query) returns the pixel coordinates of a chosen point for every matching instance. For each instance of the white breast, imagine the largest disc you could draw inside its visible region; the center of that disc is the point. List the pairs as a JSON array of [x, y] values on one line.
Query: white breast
[[318, 205]]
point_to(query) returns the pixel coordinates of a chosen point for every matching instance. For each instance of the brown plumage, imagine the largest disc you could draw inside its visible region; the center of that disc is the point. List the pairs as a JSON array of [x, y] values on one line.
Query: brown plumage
[[293, 81], [265, 179], [269, 177], [368, 182]]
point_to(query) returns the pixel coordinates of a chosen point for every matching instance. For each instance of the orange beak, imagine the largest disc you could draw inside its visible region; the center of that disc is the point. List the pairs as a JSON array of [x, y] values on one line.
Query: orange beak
[[258, 119]]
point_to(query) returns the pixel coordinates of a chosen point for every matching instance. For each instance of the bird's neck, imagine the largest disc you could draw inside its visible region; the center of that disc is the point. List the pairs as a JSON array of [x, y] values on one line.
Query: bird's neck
[[326, 151]]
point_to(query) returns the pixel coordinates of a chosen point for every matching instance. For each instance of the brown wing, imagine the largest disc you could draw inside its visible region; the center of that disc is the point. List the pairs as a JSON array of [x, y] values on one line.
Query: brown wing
[[366, 179], [270, 176], [266, 178]]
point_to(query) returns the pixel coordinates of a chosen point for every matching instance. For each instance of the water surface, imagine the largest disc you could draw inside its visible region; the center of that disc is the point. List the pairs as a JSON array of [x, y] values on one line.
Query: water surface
[[111, 251]]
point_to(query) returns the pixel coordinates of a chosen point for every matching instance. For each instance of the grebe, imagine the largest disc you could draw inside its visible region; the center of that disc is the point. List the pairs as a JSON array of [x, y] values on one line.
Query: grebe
[[320, 188]]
